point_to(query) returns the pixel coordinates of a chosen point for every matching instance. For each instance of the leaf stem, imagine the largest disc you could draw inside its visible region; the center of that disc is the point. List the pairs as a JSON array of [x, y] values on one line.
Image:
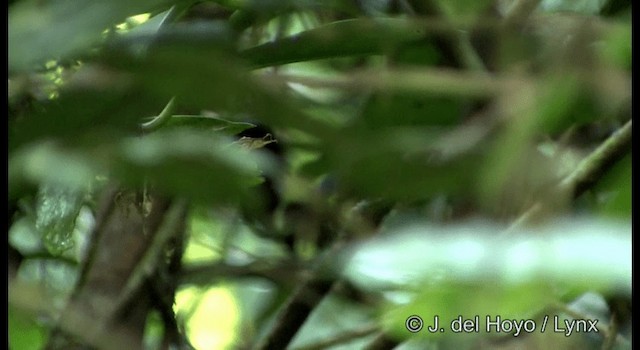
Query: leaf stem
[[162, 118]]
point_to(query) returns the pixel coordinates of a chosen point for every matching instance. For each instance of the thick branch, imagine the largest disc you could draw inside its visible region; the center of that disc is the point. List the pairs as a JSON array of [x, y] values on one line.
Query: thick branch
[[124, 233]]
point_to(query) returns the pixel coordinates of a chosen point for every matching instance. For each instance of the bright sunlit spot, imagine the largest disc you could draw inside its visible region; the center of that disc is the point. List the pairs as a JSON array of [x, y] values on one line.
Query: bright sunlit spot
[[139, 19], [132, 22], [212, 316]]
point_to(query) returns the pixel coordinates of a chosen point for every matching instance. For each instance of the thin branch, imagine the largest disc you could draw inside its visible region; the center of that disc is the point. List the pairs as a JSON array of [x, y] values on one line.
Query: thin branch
[[589, 171], [427, 80], [342, 338], [456, 43], [301, 303], [44, 255], [610, 338], [467, 53], [284, 272], [172, 224], [593, 167], [382, 342]]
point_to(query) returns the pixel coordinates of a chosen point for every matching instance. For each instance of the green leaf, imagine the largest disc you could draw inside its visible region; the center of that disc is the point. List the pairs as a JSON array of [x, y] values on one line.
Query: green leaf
[[39, 31], [472, 269], [585, 7], [23, 236], [463, 300], [394, 109], [191, 163], [616, 49], [208, 77], [337, 39], [585, 253], [465, 7], [87, 114], [614, 191], [564, 102], [33, 165], [397, 163], [24, 332]]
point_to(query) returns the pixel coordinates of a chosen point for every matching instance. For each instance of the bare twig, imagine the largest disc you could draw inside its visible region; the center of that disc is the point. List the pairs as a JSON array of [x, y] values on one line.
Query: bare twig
[[589, 171], [301, 303], [455, 44], [610, 338], [285, 272], [593, 167], [382, 342], [341, 338]]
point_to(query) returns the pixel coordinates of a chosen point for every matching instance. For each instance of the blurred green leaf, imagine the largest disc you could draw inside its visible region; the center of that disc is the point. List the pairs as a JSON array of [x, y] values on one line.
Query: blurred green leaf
[[86, 114], [472, 269], [565, 101], [397, 163], [207, 77], [421, 52], [411, 110], [39, 30], [191, 163], [473, 8], [23, 236], [585, 7], [367, 94], [615, 191], [337, 39], [33, 165], [24, 332], [154, 331], [587, 253], [462, 300], [616, 48]]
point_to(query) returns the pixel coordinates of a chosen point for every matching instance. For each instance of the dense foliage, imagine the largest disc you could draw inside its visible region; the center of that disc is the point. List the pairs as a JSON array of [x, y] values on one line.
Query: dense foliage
[[319, 174]]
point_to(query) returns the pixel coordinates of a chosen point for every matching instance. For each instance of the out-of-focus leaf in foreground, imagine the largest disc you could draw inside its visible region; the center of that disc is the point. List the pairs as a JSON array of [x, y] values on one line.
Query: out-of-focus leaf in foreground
[[209, 77], [47, 162], [475, 267], [342, 38], [90, 113], [192, 163], [41, 30], [24, 333], [398, 163]]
